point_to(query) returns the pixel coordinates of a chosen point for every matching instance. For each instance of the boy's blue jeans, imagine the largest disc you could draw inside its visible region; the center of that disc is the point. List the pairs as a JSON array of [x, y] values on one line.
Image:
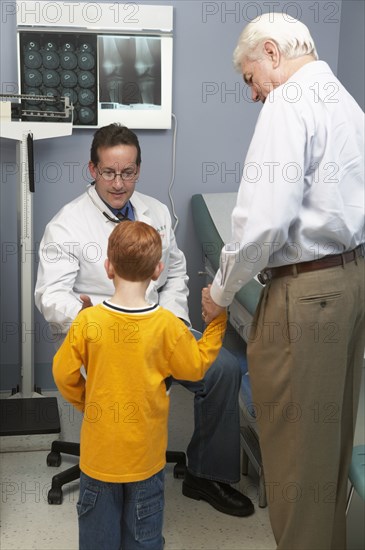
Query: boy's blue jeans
[[115, 516]]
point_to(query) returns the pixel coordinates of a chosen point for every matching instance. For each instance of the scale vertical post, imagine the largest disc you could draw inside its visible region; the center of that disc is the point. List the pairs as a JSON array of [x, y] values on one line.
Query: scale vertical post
[[26, 271], [23, 414]]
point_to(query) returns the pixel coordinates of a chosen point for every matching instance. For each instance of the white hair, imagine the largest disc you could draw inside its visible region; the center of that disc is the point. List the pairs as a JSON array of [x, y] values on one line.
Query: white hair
[[290, 35]]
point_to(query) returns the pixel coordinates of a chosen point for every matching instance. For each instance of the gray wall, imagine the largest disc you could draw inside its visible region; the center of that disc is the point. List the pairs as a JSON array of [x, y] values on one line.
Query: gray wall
[[214, 131], [351, 55]]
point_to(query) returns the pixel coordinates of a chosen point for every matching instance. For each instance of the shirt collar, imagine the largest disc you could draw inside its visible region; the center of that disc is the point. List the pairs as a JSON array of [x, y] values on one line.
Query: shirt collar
[[127, 210]]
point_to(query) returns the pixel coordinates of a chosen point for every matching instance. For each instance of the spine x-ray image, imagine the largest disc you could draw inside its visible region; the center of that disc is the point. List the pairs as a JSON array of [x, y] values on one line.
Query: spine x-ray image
[[130, 70]]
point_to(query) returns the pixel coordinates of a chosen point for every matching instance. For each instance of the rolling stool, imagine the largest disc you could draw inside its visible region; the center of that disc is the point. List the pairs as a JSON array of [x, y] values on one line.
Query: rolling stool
[[357, 474]]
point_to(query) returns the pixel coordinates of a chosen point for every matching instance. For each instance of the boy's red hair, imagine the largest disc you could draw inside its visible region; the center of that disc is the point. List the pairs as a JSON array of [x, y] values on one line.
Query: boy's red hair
[[134, 249]]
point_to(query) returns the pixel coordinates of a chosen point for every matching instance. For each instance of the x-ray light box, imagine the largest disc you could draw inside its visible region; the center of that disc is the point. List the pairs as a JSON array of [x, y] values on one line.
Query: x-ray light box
[[114, 61]]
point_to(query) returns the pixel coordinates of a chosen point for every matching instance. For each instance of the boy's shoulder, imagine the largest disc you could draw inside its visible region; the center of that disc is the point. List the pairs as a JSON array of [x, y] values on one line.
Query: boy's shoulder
[[89, 313], [172, 320]]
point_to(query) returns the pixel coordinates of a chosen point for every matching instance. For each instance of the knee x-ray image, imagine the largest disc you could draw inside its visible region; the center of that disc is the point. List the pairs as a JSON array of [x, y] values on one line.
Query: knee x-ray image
[[129, 71]]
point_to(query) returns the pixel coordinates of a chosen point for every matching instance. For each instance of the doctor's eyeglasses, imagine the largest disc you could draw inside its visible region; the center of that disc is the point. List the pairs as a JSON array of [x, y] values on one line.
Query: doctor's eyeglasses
[[127, 174]]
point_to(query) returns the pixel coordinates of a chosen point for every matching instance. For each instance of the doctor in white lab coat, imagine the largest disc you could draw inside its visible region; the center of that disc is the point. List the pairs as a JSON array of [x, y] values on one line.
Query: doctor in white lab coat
[[71, 276], [73, 250]]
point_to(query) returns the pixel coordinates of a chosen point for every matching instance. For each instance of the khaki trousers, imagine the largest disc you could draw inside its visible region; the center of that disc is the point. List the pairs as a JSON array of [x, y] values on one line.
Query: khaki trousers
[[305, 358]]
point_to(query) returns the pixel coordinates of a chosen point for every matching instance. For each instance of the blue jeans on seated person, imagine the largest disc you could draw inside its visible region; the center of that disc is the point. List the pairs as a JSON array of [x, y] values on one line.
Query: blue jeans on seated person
[[121, 516], [214, 450]]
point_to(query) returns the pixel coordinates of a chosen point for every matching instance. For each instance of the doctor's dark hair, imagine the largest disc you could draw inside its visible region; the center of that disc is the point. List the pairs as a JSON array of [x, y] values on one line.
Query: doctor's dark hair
[[134, 249], [112, 135]]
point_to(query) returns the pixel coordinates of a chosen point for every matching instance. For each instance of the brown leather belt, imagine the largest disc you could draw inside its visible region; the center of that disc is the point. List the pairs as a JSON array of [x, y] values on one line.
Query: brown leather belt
[[323, 263]]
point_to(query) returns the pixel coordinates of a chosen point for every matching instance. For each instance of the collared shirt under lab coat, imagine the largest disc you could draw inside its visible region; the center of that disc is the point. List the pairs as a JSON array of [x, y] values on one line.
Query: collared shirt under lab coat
[[72, 254], [302, 191]]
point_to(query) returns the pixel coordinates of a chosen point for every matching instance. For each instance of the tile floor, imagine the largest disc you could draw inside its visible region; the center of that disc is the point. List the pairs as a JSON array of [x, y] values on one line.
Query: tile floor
[[29, 522]]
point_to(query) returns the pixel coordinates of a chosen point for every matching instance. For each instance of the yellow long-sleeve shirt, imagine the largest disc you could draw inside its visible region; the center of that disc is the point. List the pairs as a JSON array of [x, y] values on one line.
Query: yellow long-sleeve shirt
[[127, 354]]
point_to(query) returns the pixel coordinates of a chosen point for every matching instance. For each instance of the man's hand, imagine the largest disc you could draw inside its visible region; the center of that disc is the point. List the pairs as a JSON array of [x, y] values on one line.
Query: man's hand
[[210, 310], [86, 301]]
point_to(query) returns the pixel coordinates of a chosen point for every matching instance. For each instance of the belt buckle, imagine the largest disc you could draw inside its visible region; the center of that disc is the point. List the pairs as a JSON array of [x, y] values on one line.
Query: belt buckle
[[264, 276]]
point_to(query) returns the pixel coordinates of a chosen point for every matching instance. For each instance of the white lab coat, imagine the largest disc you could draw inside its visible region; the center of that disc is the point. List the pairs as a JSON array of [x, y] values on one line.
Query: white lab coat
[[72, 254]]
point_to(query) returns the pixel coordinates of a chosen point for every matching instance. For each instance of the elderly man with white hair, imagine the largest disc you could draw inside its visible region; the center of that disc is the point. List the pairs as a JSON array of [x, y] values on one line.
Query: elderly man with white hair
[[299, 225]]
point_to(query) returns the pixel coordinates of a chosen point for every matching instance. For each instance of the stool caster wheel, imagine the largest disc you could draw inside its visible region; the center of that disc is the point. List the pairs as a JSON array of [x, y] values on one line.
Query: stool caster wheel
[[179, 471], [53, 459], [55, 496]]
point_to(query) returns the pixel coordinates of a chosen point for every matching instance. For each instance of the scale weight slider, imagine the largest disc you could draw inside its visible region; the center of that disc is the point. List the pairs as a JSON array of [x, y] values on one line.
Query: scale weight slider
[[33, 91]]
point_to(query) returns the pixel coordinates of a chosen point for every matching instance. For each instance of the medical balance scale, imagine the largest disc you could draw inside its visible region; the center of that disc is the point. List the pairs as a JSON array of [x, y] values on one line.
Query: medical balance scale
[[27, 416]]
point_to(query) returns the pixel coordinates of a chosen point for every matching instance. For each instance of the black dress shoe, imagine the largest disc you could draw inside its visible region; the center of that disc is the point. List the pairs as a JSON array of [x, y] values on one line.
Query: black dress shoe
[[220, 495]]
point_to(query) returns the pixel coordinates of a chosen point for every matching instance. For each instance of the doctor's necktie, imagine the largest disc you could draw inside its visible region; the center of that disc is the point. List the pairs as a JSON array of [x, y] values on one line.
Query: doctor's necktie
[[123, 216]]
